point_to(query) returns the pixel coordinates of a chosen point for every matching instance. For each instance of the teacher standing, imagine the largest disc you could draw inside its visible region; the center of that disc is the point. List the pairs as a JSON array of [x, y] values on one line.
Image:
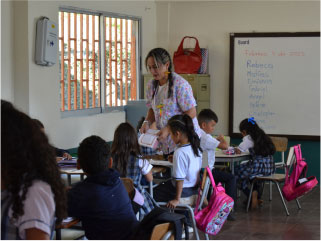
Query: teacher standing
[[168, 94]]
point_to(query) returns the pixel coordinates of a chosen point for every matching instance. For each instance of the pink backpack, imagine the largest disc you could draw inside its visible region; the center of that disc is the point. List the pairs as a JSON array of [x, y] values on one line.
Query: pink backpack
[[298, 184], [211, 219]]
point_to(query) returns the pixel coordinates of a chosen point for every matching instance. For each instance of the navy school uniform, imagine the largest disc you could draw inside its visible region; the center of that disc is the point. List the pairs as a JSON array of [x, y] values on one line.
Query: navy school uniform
[[102, 204]]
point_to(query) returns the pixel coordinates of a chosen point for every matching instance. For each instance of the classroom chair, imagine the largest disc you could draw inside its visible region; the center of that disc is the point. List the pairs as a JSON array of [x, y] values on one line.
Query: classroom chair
[[69, 223], [281, 145], [163, 231], [276, 179], [189, 203]]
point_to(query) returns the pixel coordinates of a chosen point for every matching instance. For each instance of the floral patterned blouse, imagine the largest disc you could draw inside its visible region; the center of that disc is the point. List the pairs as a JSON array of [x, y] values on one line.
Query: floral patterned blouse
[[164, 108]]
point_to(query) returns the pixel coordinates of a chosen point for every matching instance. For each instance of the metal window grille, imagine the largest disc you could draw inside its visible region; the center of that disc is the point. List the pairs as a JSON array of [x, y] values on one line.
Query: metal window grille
[[80, 41]]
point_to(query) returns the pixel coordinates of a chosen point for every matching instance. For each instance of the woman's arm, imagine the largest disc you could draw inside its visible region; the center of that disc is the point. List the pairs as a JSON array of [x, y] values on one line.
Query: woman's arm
[[36, 234], [149, 120], [149, 176], [191, 112], [179, 188]]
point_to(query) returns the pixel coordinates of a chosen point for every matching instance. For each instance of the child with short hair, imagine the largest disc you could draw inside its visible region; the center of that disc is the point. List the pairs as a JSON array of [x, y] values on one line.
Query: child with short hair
[[32, 192], [127, 159], [187, 162], [101, 201], [261, 149], [207, 120]]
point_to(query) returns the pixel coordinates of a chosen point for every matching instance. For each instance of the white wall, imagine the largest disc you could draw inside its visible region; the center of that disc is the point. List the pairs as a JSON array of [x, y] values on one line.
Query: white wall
[[7, 53], [36, 88], [211, 23]]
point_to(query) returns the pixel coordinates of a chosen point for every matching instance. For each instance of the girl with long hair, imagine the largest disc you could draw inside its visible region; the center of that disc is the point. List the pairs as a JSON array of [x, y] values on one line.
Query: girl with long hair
[[128, 161], [261, 149], [187, 162], [32, 192]]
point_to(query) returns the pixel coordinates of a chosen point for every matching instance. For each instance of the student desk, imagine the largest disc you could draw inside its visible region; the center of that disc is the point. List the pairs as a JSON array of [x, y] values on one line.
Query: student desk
[[221, 157], [72, 171]]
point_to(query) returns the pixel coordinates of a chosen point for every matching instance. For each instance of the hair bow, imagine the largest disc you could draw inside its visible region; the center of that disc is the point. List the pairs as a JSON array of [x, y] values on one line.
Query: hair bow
[[251, 119]]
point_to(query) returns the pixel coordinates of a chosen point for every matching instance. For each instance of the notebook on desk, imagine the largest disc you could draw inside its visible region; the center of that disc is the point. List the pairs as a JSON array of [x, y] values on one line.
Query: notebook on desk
[[66, 162]]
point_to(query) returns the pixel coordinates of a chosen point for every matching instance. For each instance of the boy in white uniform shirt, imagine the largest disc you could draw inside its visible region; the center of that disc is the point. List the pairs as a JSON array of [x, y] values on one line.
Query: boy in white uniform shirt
[[207, 120]]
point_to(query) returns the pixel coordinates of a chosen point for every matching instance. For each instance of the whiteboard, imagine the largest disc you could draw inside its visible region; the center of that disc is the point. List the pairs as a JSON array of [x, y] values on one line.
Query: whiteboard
[[275, 78]]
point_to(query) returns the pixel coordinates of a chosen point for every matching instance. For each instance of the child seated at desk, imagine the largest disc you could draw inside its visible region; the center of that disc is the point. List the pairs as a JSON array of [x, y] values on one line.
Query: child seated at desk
[[207, 120], [262, 150], [60, 153], [187, 162], [101, 201], [32, 192], [128, 161]]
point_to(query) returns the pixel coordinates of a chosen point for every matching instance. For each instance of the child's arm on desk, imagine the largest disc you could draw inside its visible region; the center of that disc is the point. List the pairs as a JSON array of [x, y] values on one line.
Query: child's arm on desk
[[179, 188], [223, 144]]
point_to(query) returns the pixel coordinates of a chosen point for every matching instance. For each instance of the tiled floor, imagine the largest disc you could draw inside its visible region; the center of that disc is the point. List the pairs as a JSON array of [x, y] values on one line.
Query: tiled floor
[[270, 222]]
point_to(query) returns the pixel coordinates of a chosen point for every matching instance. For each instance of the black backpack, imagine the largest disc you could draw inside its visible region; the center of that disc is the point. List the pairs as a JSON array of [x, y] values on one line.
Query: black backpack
[[157, 216]]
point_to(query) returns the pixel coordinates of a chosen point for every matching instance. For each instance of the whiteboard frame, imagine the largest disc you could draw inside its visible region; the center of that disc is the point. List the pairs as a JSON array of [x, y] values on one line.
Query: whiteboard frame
[[231, 89]]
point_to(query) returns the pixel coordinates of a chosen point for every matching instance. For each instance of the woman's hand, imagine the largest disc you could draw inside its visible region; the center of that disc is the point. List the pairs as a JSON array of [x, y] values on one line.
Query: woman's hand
[[172, 204], [144, 127], [67, 156], [163, 133]]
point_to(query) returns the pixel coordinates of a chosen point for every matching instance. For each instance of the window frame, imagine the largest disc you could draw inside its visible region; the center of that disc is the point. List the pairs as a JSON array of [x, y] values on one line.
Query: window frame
[[103, 108]]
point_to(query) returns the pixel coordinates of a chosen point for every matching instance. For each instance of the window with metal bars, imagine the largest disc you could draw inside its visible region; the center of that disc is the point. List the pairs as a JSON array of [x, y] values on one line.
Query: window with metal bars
[[98, 59]]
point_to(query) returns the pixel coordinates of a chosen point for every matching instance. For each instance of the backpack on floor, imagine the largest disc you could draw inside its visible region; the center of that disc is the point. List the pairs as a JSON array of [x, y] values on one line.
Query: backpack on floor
[[157, 216], [298, 184], [210, 219]]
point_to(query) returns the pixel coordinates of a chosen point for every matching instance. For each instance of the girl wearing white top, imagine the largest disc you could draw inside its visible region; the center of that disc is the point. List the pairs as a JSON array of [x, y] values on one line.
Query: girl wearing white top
[[32, 192], [187, 162]]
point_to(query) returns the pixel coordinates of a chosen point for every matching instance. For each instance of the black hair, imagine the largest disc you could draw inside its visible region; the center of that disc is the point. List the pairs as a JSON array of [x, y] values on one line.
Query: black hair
[[184, 124], [125, 144], [39, 123], [207, 115], [263, 144], [140, 123], [26, 156], [93, 155], [161, 56]]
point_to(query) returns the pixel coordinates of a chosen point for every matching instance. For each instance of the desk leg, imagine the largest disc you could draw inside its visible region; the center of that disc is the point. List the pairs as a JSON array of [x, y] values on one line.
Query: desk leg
[[58, 234], [232, 167], [151, 189], [69, 179]]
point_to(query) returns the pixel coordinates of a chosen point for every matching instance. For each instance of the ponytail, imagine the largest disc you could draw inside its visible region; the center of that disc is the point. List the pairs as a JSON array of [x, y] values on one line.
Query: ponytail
[[184, 124], [263, 144]]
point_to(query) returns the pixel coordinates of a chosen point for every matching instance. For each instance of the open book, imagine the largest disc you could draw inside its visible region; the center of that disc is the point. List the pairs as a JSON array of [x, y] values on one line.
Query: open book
[[149, 139]]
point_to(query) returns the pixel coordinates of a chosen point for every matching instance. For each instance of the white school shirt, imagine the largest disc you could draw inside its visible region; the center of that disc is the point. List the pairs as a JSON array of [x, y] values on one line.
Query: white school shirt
[[145, 166], [246, 144], [39, 209], [208, 145], [186, 166]]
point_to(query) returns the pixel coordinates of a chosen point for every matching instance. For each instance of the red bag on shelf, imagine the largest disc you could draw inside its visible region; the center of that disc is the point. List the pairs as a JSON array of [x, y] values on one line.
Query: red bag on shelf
[[187, 61]]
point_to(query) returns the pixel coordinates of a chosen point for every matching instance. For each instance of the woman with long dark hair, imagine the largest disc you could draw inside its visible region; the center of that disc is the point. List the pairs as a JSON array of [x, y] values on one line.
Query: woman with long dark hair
[[168, 94]]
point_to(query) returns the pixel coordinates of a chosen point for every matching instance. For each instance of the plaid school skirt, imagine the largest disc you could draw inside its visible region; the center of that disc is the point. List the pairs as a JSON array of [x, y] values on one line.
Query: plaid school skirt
[[260, 166]]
